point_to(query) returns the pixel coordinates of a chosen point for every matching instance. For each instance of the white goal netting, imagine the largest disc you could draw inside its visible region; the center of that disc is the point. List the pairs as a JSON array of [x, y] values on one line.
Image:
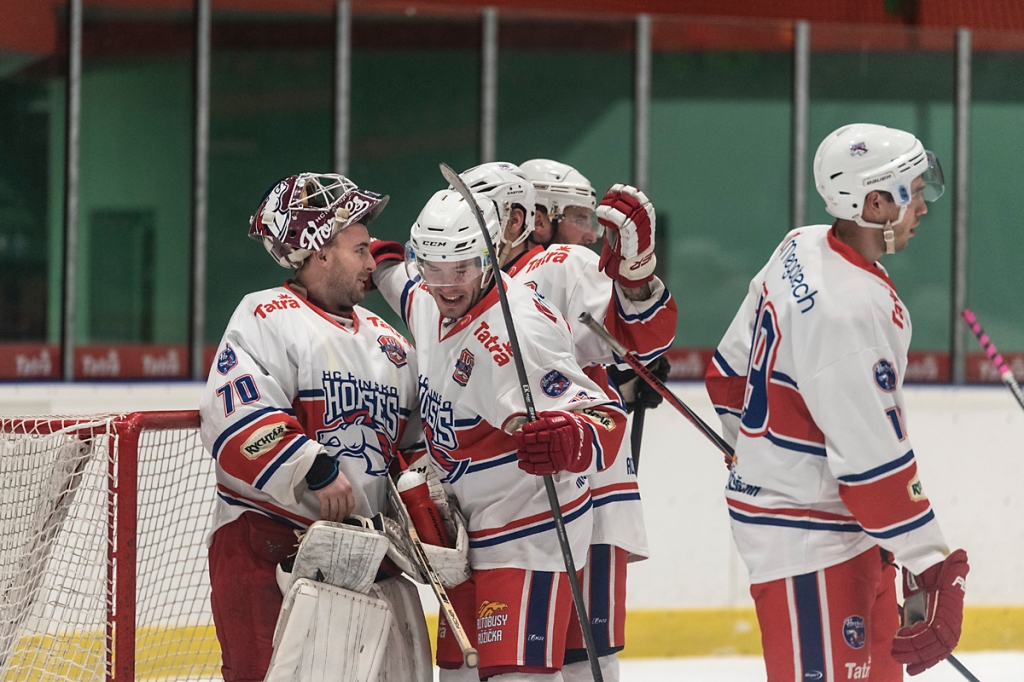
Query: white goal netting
[[68, 487]]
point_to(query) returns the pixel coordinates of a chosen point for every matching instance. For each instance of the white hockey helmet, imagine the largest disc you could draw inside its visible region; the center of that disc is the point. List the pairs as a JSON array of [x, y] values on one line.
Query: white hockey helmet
[[300, 213], [558, 186], [508, 186], [446, 246], [858, 159]]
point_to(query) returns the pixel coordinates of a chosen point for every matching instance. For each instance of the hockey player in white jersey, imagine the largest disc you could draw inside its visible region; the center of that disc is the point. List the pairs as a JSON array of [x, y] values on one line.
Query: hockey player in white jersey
[[639, 311], [518, 597], [566, 203], [808, 381], [307, 404]]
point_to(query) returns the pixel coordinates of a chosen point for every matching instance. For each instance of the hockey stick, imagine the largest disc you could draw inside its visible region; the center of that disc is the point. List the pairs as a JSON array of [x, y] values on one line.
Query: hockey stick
[[993, 354], [469, 652], [951, 659], [531, 414], [656, 384], [636, 435]]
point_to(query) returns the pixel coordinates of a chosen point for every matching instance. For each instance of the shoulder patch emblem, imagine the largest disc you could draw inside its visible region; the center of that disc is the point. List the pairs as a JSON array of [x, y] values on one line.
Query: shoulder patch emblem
[[885, 375], [392, 348], [463, 367], [555, 384], [227, 359]]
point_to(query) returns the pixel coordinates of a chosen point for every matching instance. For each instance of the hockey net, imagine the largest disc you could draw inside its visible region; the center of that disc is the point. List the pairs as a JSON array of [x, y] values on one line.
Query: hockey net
[[102, 554]]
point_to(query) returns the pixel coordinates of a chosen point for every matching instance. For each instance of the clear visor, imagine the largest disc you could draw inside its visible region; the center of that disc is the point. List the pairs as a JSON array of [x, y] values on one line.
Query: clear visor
[[443, 273], [934, 181], [580, 219]]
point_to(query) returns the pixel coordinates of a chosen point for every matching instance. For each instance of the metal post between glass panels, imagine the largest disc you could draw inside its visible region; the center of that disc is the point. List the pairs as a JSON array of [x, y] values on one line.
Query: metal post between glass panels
[[200, 177], [961, 145], [801, 97], [489, 85], [73, 115], [642, 101], [342, 84]]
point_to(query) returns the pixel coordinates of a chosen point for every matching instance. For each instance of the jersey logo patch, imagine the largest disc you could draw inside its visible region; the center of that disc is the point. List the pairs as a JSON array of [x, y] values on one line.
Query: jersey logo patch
[[885, 376], [858, 149], [358, 441], [853, 632], [390, 346], [227, 359], [555, 383], [263, 440], [463, 367]]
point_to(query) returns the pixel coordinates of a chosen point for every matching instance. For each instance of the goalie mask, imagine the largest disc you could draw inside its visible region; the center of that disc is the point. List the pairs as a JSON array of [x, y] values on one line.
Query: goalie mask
[[858, 159], [508, 187], [559, 186], [446, 247], [299, 214]]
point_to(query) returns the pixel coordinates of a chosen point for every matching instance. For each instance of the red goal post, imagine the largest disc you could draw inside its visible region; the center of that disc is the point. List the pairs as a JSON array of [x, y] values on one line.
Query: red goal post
[[103, 573]]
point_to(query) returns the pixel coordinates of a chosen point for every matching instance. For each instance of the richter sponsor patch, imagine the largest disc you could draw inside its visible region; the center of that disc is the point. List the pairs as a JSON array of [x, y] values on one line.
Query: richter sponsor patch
[[599, 417], [263, 439], [916, 490]]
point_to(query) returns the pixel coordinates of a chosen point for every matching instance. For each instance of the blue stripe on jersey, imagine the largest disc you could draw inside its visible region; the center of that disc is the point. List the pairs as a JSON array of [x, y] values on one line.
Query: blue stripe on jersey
[[645, 358], [279, 460], [808, 615], [535, 647], [723, 410], [905, 528], [491, 463], [312, 393], [241, 424], [239, 503], [783, 378], [724, 366], [403, 301], [467, 423], [879, 470], [618, 497], [796, 446], [532, 530], [600, 589], [644, 315], [806, 524]]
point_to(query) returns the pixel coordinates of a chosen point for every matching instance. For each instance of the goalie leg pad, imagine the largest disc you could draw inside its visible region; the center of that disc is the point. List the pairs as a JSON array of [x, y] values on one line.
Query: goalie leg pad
[[408, 645], [329, 634], [337, 554]]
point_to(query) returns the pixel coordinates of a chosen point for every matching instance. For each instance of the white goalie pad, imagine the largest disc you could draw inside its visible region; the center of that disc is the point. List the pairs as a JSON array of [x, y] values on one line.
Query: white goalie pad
[[329, 634], [408, 657], [451, 565], [337, 554]]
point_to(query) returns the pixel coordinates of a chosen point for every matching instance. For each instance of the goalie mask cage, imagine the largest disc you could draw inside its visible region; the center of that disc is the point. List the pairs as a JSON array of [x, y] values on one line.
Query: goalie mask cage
[[102, 547]]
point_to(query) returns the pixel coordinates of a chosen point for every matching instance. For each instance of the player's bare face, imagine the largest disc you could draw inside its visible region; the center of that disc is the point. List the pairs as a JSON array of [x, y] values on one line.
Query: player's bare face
[[907, 227], [576, 227], [348, 265], [457, 287]]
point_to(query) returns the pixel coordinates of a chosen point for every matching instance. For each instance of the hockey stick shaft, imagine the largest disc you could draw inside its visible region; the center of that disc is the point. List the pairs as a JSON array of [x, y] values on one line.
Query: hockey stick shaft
[[656, 383], [636, 435], [469, 652], [531, 414], [993, 354], [961, 668]]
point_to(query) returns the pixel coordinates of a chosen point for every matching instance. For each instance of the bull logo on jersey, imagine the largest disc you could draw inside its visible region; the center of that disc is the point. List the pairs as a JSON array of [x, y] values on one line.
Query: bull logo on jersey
[[439, 433], [463, 367], [358, 441], [361, 420], [885, 375], [554, 384], [227, 359], [853, 632], [858, 149], [391, 347]]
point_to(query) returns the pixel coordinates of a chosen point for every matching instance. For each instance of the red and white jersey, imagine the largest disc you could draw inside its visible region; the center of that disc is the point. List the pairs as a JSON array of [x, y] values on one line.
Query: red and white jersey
[[471, 401], [568, 278], [808, 381], [290, 381]]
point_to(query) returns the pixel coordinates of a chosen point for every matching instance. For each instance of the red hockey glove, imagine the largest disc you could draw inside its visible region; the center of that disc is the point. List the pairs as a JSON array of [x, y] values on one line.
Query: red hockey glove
[[933, 612], [382, 251], [557, 441], [628, 219]]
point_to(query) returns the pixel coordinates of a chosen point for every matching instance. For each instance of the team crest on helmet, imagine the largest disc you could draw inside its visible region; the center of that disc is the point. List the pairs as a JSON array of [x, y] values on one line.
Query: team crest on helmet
[[391, 347], [853, 632], [555, 384], [227, 359], [858, 149], [904, 194], [885, 376], [463, 367]]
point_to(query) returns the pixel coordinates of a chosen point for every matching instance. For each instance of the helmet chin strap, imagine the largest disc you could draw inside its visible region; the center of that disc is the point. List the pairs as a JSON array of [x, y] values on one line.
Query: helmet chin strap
[[890, 237]]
